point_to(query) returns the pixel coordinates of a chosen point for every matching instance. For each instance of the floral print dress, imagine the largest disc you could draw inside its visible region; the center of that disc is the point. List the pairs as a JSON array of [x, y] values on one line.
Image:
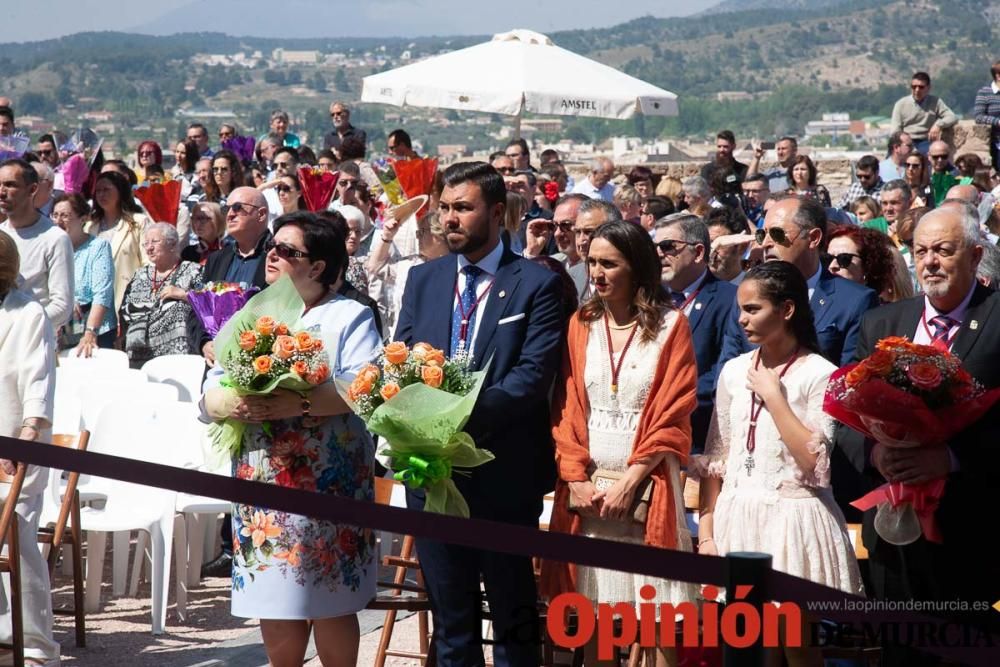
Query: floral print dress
[[287, 566]]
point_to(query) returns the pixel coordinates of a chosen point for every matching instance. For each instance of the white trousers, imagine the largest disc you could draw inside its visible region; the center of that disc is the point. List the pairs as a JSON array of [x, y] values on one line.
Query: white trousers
[[36, 591]]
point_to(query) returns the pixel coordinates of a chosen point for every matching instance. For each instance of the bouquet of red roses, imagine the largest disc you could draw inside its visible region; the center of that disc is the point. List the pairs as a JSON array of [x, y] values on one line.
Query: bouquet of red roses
[[906, 395]]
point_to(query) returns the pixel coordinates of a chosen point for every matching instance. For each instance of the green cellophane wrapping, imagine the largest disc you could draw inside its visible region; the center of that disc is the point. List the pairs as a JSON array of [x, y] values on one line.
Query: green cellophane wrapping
[[280, 301], [422, 427]]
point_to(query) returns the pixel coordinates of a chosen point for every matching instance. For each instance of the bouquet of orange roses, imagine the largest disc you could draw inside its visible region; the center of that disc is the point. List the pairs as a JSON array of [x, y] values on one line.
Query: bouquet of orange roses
[[262, 348], [419, 401], [906, 395]]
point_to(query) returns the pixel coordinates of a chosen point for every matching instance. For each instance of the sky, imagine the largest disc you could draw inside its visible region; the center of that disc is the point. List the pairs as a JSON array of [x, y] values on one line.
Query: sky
[[32, 20]]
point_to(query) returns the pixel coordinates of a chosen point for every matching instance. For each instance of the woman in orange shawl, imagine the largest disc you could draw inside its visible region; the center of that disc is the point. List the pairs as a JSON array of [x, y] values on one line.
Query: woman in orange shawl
[[623, 407]]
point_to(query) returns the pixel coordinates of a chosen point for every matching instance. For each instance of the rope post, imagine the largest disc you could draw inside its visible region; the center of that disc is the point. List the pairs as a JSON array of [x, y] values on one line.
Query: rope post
[[743, 569]]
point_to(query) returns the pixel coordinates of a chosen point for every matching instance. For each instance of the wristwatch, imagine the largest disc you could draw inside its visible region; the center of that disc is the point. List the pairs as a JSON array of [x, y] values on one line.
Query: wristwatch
[[90, 330]]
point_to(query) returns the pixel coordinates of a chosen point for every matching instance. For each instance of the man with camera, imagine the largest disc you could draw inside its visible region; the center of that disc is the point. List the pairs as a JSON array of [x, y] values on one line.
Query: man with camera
[[786, 150]]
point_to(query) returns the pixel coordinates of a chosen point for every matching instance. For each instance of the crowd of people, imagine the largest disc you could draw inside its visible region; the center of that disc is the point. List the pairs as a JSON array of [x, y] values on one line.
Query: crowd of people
[[646, 328]]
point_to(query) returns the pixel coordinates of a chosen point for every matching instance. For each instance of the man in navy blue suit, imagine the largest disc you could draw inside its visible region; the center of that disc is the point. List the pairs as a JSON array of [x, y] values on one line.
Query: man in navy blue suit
[[506, 312], [794, 231], [709, 304]]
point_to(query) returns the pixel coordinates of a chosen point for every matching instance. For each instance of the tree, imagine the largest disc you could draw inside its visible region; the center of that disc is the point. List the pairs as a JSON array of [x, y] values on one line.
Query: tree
[[39, 104], [318, 83], [340, 81]]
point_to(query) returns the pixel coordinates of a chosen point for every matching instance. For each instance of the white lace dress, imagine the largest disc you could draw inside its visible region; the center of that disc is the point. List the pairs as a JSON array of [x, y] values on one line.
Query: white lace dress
[[612, 426], [778, 508]]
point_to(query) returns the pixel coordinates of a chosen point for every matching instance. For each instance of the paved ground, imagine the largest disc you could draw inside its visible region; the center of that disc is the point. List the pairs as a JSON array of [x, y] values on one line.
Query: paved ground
[[119, 634]]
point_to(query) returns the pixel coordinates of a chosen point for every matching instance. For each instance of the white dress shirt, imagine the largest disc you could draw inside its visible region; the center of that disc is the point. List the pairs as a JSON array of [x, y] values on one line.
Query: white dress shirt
[[585, 187], [923, 334], [691, 289], [813, 281], [489, 265]]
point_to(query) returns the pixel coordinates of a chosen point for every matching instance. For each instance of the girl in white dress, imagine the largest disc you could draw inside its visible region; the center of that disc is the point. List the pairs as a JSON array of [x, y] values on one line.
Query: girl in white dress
[[765, 474]]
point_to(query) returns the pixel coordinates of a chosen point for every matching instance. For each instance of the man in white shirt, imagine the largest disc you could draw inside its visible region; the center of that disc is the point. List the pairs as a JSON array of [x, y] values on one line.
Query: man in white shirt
[[597, 185], [893, 167], [46, 251]]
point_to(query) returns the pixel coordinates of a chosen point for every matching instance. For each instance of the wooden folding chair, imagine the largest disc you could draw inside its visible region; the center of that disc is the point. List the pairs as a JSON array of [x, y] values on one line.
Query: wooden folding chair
[[395, 602], [57, 534], [11, 563]]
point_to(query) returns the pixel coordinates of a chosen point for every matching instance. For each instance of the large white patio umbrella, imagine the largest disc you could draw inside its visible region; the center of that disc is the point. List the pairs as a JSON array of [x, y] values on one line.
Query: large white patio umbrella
[[516, 72]]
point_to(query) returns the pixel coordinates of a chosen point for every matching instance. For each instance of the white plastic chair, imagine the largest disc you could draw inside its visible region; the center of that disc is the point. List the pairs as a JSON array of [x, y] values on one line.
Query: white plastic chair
[[137, 429], [94, 396], [102, 356], [184, 371], [70, 378], [186, 435]]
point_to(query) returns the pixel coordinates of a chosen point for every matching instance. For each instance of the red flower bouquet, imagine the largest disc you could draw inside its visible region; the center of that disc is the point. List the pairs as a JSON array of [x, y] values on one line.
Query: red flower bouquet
[[317, 187], [906, 395], [162, 200]]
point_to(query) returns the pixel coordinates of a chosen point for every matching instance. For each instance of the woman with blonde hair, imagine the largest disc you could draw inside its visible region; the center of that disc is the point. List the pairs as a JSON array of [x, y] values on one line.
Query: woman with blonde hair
[[671, 188], [209, 225], [512, 222]]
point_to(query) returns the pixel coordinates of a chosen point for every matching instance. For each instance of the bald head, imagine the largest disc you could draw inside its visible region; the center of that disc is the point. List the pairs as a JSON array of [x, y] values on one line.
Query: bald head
[[967, 193], [6, 102], [247, 195], [939, 154], [246, 218]]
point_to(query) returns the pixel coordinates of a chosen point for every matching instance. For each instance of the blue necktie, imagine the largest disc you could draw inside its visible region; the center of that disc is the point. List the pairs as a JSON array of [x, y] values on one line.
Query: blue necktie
[[678, 298], [467, 305]]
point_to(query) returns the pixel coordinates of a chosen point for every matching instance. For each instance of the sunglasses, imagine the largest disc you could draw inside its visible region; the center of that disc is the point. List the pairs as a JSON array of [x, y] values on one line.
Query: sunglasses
[[285, 252], [346, 183], [938, 157], [843, 259], [913, 165], [240, 207], [564, 225], [671, 246], [777, 235], [506, 170], [45, 152], [284, 188], [220, 170], [282, 165]]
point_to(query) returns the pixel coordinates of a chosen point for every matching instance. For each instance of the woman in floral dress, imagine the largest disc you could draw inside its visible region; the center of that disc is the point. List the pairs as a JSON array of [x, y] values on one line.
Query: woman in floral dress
[[294, 573]]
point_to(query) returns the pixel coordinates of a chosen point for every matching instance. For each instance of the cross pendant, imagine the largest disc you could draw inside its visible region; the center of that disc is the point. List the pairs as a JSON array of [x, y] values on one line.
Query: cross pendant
[[749, 464]]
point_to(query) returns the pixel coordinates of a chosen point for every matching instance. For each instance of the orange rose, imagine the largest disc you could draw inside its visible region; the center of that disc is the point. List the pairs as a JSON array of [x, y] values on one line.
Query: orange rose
[[880, 362], [262, 364], [420, 350], [303, 341], [265, 325], [389, 389], [300, 368], [432, 376], [925, 351], [924, 376], [371, 372], [321, 373], [284, 347], [396, 352], [857, 375], [248, 341], [281, 329], [891, 342], [360, 387], [317, 345], [434, 358]]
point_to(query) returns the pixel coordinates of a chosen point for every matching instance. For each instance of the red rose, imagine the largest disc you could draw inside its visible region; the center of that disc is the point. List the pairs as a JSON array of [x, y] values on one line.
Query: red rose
[[924, 376], [244, 471]]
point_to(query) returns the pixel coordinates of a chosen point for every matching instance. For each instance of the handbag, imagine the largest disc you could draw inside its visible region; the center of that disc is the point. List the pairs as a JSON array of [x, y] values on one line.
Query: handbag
[[603, 479]]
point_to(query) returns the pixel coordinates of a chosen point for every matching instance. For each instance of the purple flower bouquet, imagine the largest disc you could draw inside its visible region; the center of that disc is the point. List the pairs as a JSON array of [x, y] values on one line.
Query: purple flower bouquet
[[215, 303], [242, 146]]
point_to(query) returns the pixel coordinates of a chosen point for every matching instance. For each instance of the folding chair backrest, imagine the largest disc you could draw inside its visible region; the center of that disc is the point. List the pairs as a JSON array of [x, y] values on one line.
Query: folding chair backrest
[[65, 504], [182, 434], [184, 371], [16, 482], [94, 397]]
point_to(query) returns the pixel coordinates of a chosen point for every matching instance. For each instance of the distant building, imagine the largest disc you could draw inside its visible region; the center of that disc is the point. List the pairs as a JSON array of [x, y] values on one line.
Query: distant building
[[733, 96], [835, 124], [456, 150], [201, 112], [283, 57]]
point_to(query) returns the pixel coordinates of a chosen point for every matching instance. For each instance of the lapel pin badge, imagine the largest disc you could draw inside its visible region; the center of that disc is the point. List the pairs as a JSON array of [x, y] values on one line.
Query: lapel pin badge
[[974, 324], [502, 294], [822, 302], [697, 306]]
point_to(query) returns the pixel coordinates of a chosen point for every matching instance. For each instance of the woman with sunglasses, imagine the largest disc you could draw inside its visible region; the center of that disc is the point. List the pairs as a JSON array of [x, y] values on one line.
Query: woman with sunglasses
[[623, 405], [765, 475], [148, 153], [862, 256], [290, 194], [802, 177], [209, 225], [918, 177], [314, 443], [226, 176]]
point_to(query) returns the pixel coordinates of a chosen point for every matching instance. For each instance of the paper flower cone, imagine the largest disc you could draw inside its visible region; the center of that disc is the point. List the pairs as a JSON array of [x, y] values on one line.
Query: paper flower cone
[[416, 176], [317, 187], [162, 200], [74, 171], [242, 147], [390, 184], [13, 147]]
